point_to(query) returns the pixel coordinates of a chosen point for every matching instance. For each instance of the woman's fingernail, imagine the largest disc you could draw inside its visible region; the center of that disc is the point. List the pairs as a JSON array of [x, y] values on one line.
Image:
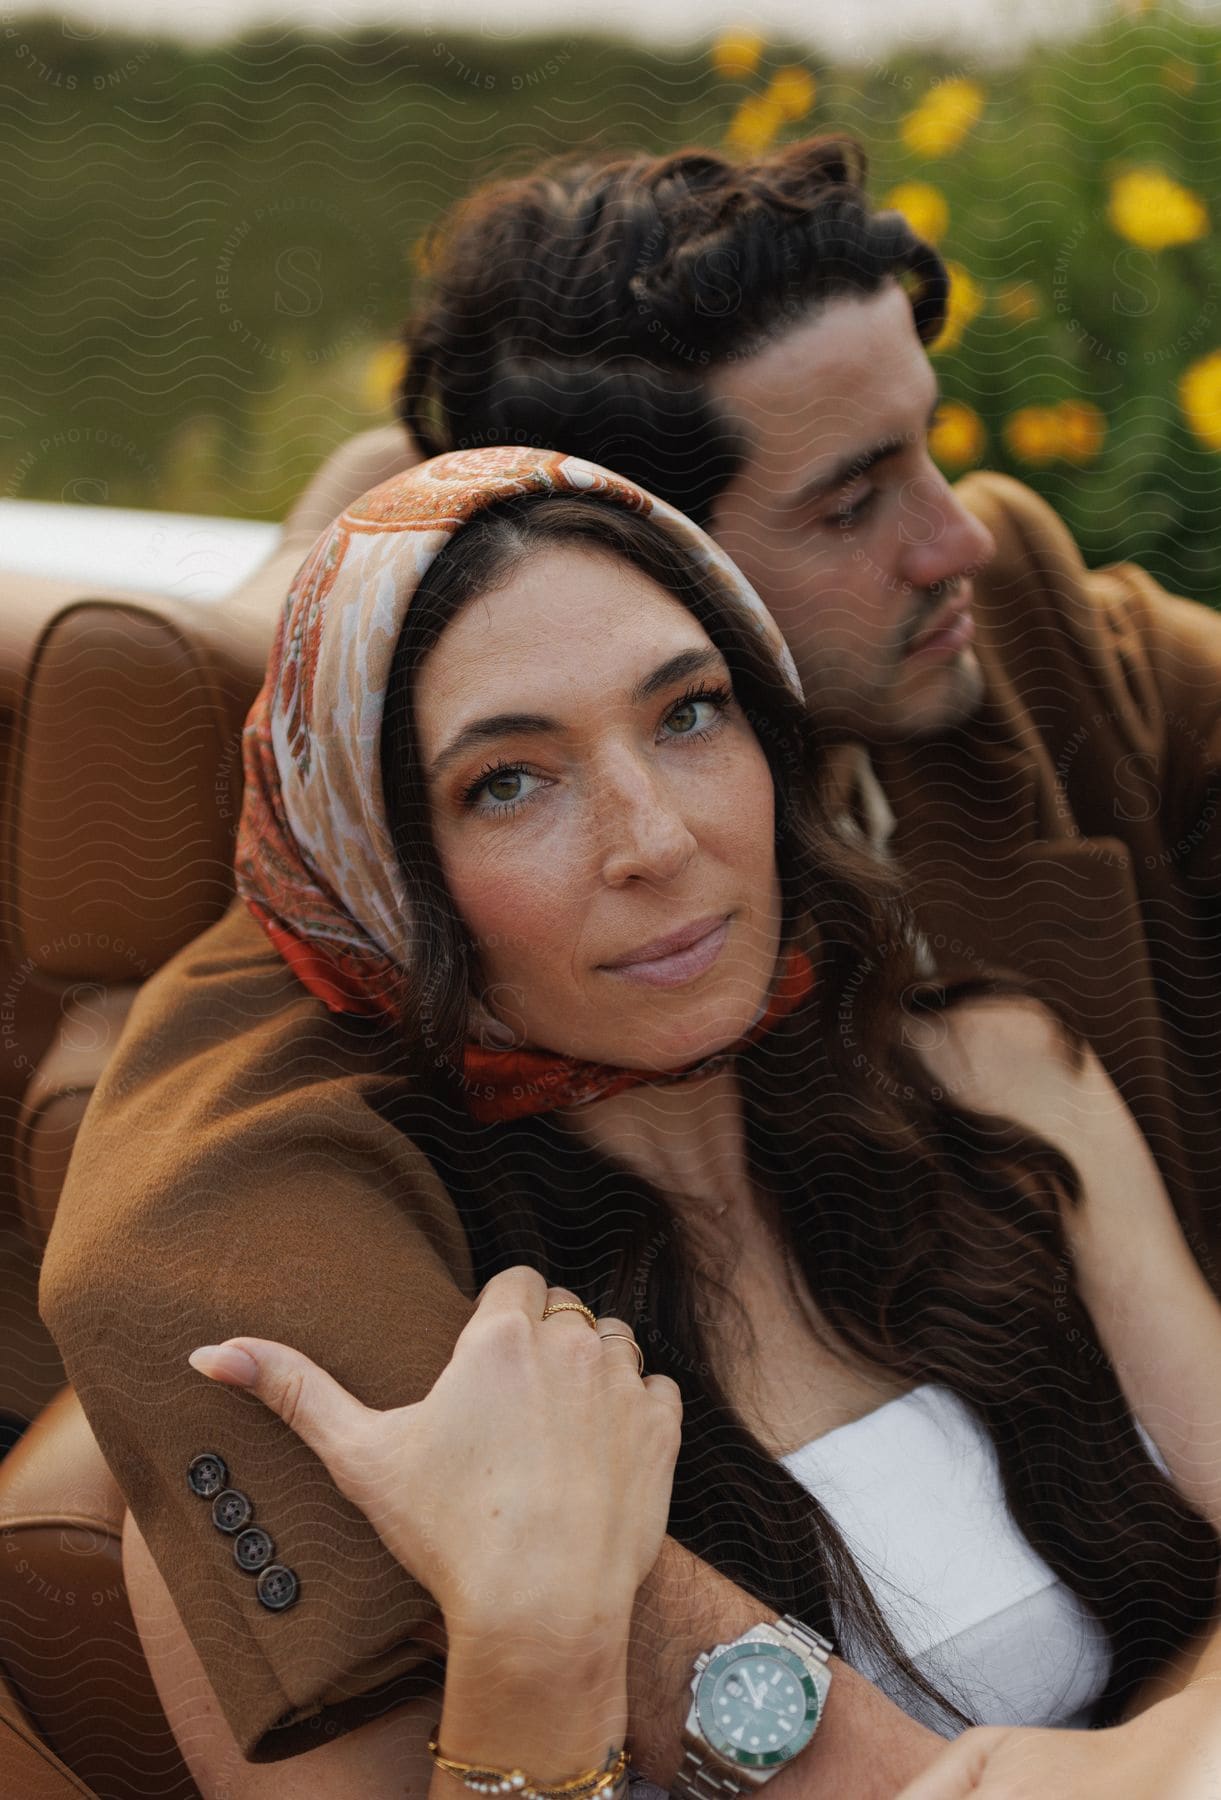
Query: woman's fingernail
[[224, 1359]]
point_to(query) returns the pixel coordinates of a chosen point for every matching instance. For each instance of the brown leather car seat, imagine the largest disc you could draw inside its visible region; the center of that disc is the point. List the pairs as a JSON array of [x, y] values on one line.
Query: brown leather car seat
[[120, 771], [120, 724], [31, 1371], [28, 1770], [71, 1652], [76, 940], [124, 789]]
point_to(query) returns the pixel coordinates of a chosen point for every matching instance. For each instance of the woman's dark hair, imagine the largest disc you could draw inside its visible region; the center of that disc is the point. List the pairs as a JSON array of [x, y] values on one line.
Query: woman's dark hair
[[929, 1236], [580, 308]]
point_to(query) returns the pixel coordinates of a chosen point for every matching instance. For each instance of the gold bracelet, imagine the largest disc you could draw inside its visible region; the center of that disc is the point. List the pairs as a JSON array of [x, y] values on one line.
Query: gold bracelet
[[483, 1780]]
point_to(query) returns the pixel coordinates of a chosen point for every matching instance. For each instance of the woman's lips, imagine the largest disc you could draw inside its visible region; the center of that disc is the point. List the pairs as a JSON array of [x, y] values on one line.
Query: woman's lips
[[680, 966]]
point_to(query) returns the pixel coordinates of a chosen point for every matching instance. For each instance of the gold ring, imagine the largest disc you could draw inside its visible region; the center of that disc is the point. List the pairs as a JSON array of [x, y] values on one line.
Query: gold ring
[[569, 1306], [631, 1340]]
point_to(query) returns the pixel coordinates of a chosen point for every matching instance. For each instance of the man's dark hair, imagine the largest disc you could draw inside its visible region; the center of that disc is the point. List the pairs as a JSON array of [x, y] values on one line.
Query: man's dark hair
[[581, 308]]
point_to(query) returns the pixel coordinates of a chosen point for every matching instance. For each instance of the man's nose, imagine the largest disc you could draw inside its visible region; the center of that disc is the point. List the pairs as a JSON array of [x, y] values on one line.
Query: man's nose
[[942, 540], [644, 833]]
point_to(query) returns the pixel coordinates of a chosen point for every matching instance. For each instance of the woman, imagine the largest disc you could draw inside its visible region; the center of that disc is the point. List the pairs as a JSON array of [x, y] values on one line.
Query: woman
[[529, 775]]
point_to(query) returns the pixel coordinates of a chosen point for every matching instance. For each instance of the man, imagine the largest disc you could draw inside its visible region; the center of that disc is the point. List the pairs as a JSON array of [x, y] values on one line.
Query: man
[[743, 342]]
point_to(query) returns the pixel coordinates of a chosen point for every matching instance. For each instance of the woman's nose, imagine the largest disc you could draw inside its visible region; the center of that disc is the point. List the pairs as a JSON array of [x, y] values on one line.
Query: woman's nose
[[644, 834]]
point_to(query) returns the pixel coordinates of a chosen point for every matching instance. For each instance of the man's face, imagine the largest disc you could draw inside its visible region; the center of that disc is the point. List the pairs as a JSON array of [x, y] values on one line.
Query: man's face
[[846, 528]]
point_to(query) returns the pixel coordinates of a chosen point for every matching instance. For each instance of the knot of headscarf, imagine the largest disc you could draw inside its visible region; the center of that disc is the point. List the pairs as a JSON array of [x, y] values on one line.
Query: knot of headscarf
[[315, 857]]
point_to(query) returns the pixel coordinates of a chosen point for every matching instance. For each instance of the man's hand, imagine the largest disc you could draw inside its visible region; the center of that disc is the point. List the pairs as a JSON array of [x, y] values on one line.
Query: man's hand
[[1171, 1752]]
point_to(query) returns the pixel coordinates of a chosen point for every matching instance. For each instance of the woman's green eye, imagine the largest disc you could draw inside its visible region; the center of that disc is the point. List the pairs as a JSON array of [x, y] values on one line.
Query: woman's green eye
[[692, 716], [502, 790], [504, 787]]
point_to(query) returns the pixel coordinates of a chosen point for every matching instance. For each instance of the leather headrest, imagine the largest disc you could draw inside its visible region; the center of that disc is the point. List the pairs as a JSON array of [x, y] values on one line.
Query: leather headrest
[[126, 782]]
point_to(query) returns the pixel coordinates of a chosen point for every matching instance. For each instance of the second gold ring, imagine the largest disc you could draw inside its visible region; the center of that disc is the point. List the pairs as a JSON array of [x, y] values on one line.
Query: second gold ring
[[631, 1340], [578, 1306]]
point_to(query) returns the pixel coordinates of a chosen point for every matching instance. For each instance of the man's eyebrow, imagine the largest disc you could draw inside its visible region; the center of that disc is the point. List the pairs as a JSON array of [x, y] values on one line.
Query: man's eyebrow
[[850, 467], [522, 724]]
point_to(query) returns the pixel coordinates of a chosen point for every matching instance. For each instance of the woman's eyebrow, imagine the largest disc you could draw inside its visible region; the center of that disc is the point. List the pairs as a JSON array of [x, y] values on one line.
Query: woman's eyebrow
[[522, 724]]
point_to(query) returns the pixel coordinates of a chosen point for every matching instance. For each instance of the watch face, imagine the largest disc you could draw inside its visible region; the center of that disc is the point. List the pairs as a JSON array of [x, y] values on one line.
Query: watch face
[[757, 1704]]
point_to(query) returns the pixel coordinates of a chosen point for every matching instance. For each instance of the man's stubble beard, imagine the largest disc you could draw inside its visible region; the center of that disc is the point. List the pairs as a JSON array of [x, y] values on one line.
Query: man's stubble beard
[[960, 697], [881, 717]]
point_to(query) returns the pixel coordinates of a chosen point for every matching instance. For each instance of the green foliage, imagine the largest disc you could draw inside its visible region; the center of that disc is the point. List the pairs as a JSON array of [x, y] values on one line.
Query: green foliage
[[209, 250]]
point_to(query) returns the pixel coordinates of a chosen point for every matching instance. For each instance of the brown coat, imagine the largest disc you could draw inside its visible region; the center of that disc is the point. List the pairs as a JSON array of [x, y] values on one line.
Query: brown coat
[[238, 1171], [1071, 829]]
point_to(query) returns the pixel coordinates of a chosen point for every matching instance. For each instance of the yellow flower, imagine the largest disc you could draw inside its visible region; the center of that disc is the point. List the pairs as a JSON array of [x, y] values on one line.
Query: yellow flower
[[958, 437], [1200, 398], [1083, 430], [1152, 210], [1071, 431], [384, 371], [1019, 301], [943, 118], [736, 54], [755, 124], [923, 206], [1178, 75], [1032, 434], [966, 302], [792, 91]]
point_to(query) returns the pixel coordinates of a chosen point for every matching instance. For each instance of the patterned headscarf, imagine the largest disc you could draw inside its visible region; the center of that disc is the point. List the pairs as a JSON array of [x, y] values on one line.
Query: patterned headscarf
[[315, 857]]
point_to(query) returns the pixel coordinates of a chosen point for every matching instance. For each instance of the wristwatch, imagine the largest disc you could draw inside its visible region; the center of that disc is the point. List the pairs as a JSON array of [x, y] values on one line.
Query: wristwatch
[[756, 1703]]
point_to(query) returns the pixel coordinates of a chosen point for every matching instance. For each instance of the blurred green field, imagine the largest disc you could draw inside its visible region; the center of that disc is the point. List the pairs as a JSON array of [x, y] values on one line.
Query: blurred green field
[[208, 250]]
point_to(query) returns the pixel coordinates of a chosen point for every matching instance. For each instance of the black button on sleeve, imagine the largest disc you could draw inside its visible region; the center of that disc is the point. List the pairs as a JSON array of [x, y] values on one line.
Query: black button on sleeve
[[277, 1587], [253, 1550], [207, 1474], [231, 1510]]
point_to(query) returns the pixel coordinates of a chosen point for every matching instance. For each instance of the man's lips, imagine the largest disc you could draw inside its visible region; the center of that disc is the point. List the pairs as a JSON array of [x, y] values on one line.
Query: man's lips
[[951, 629]]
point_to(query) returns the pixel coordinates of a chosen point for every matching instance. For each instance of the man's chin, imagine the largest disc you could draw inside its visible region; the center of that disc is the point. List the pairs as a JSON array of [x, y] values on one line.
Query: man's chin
[[943, 698]]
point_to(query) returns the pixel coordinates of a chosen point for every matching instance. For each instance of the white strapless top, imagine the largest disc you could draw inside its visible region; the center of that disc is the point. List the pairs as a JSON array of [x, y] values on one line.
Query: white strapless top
[[915, 1489]]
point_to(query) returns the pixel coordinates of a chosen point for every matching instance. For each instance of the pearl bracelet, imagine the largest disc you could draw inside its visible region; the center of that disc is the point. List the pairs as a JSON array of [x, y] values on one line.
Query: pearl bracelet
[[610, 1779]]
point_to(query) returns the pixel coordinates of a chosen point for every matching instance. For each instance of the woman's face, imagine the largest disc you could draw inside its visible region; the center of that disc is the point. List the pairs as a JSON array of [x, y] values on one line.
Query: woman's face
[[594, 792]]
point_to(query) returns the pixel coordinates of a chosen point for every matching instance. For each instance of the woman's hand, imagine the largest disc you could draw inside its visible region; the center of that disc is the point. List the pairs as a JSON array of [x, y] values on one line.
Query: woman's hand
[[1171, 1752], [533, 1478]]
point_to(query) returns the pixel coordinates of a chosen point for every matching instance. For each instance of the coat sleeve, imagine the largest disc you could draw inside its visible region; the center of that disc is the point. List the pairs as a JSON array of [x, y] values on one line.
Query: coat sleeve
[[1155, 656], [237, 1172], [1179, 642], [363, 462]]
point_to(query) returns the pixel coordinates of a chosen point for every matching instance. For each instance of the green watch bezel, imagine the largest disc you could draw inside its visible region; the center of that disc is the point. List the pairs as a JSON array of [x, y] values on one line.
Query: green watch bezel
[[715, 1738]]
